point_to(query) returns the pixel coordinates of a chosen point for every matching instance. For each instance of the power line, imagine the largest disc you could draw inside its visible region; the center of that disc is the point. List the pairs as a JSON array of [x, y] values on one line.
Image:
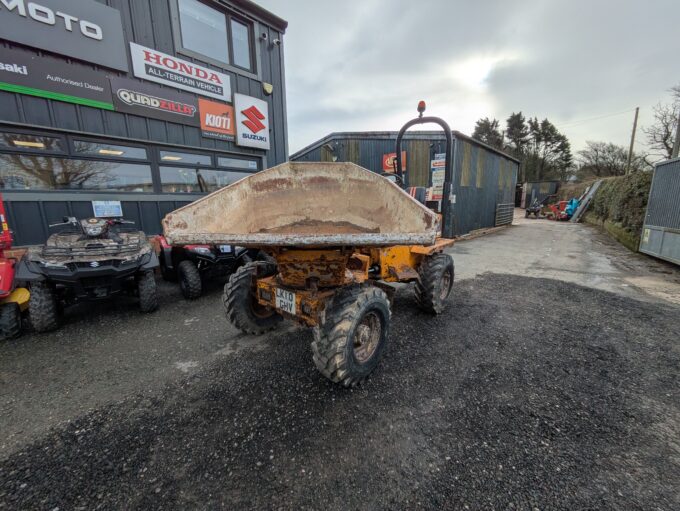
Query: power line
[[582, 121]]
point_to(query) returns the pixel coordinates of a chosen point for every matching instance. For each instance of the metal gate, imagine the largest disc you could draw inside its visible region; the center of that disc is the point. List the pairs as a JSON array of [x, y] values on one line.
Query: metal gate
[[661, 230]]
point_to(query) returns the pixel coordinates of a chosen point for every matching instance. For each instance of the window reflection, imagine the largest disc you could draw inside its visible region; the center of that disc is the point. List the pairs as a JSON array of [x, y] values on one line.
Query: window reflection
[[192, 180], [30, 142], [29, 172], [108, 150]]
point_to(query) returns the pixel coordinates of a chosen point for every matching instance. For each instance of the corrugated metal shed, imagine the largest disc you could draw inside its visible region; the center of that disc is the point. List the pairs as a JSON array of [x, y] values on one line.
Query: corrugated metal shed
[[538, 190], [484, 177], [661, 230]]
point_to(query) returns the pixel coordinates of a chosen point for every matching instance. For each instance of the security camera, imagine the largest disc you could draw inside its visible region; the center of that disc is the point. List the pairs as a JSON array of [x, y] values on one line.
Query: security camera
[[276, 42], [264, 36]]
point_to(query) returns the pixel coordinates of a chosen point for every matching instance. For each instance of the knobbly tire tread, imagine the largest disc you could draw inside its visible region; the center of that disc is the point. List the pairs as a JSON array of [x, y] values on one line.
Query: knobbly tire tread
[[189, 274], [42, 307], [330, 350], [146, 288], [429, 280], [10, 321], [237, 297]]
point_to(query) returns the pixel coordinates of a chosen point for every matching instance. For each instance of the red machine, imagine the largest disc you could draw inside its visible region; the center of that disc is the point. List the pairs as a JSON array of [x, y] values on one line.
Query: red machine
[[558, 211], [13, 300]]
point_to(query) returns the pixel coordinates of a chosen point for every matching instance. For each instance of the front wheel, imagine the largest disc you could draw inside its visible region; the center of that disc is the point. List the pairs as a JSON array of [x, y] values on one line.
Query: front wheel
[[348, 345], [240, 302], [435, 281], [146, 288], [10, 320], [189, 280], [42, 307]]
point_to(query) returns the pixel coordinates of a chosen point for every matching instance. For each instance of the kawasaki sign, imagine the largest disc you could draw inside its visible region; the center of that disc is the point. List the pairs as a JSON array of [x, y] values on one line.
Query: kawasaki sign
[[24, 72], [85, 30]]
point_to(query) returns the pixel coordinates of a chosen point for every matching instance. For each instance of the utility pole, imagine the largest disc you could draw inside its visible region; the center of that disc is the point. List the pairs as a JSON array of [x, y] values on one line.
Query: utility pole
[[632, 140], [676, 144]]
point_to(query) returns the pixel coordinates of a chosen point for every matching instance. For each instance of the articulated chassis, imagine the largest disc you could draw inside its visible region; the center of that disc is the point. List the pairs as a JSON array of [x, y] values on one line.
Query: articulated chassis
[[308, 279]]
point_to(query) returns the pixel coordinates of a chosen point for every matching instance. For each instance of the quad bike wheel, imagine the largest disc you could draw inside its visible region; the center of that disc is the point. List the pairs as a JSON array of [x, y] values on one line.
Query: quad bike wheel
[[348, 345], [10, 320], [43, 307], [240, 302], [435, 281], [526, 213], [146, 289], [189, 280]]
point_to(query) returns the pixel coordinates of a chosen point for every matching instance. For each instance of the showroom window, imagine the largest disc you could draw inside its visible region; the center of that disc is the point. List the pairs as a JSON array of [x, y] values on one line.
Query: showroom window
[[186, 158], [32, 172], [236, 163], [215, 35], [102, 149], [196, 180], [24, 142]]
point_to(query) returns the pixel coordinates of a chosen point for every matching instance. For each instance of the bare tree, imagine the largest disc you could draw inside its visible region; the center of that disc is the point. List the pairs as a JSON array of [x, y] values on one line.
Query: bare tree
[[661, 134], [603, 159]]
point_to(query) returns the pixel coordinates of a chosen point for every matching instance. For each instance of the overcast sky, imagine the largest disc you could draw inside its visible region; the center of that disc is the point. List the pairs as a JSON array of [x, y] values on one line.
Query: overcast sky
[[358, 65]]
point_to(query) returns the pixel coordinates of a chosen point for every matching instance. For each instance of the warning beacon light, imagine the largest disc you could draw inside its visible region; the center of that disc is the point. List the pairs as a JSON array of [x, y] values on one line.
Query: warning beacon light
[[421, 107]]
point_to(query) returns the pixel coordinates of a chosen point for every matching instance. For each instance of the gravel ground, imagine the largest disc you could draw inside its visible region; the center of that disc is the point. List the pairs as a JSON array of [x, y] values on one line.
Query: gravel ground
[[567, 399]]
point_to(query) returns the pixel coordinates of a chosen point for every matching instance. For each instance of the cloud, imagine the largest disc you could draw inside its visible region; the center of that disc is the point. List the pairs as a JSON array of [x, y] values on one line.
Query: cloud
[[362, 65]]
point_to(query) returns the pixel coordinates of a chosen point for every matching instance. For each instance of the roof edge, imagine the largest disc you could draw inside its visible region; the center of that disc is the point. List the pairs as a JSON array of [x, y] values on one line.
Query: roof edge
[[393, 135]]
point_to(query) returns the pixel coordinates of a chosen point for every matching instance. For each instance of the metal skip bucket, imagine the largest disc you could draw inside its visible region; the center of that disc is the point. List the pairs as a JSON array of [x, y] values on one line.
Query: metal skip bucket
[[305, 204]]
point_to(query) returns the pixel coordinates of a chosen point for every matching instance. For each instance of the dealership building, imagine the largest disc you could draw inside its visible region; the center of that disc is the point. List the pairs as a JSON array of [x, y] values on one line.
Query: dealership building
[[133, 106]]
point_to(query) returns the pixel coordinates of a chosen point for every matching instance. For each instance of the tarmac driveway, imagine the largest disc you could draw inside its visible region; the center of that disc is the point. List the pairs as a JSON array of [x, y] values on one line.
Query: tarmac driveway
[[527, 393]]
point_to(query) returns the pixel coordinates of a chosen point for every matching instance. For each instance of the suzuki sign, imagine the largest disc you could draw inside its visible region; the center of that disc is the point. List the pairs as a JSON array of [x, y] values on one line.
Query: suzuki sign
[[252, 121], [85, 30]]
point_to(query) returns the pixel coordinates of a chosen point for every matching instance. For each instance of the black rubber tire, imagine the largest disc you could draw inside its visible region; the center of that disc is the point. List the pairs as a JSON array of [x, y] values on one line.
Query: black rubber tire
[[189, 280], [10, 320], [333, 346], [240, 303], [526, 213], [167, 274], [146, 289], [42, 307], [430, 294]]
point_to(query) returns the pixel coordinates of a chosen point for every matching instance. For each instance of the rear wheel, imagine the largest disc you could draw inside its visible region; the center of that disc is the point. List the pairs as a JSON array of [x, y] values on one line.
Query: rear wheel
[[240, 301], [348, 345], [10, 320], [435, 280], [146, 288], [42, 307], [189, 280]]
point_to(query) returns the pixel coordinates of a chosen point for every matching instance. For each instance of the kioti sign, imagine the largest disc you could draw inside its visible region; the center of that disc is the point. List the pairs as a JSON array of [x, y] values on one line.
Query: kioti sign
[[85, 30], [160, 67], [217, 119], [252, 121]]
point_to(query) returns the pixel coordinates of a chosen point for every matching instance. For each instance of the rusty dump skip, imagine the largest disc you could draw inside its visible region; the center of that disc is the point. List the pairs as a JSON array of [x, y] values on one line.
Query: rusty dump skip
[[305, 204]]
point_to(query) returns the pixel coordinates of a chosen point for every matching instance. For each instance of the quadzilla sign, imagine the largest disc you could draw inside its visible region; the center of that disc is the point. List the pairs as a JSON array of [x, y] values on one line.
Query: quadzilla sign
[[146, 100], [217, 119], [252, 121], [24, 72], [162, 68]]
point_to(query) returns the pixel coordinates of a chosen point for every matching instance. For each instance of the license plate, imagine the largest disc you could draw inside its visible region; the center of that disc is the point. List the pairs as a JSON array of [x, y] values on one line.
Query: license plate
[[285, 300], [225, 249]]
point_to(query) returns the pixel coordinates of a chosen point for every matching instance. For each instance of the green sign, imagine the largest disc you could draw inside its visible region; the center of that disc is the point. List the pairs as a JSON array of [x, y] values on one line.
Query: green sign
[[24, 72]]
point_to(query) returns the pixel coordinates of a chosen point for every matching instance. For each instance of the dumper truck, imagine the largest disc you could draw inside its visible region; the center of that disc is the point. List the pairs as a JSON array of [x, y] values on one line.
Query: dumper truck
[[337, 236]]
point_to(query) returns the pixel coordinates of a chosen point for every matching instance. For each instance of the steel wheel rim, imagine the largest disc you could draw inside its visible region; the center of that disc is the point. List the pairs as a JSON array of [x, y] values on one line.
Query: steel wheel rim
[[367, 336], [446, 285]]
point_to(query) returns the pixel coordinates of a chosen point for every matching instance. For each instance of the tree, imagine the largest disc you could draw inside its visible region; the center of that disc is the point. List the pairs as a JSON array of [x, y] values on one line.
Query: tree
[[517, 134], [487, 131], [661, 134], [547, 152], [603, 159]]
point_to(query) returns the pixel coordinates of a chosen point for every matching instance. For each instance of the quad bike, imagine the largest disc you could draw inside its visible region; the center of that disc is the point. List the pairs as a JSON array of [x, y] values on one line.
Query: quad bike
[[191, 264], [338, 236], [13, 300], [533, 209], [87, 259]]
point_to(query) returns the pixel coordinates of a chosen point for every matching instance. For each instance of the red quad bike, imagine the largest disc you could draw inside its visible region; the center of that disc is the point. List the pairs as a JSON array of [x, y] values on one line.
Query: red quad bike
[[190, 264], [13, 300]]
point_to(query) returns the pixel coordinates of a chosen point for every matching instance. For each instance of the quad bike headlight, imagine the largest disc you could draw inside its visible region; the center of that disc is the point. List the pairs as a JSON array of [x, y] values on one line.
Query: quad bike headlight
[[94, 230], [200, 250]]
